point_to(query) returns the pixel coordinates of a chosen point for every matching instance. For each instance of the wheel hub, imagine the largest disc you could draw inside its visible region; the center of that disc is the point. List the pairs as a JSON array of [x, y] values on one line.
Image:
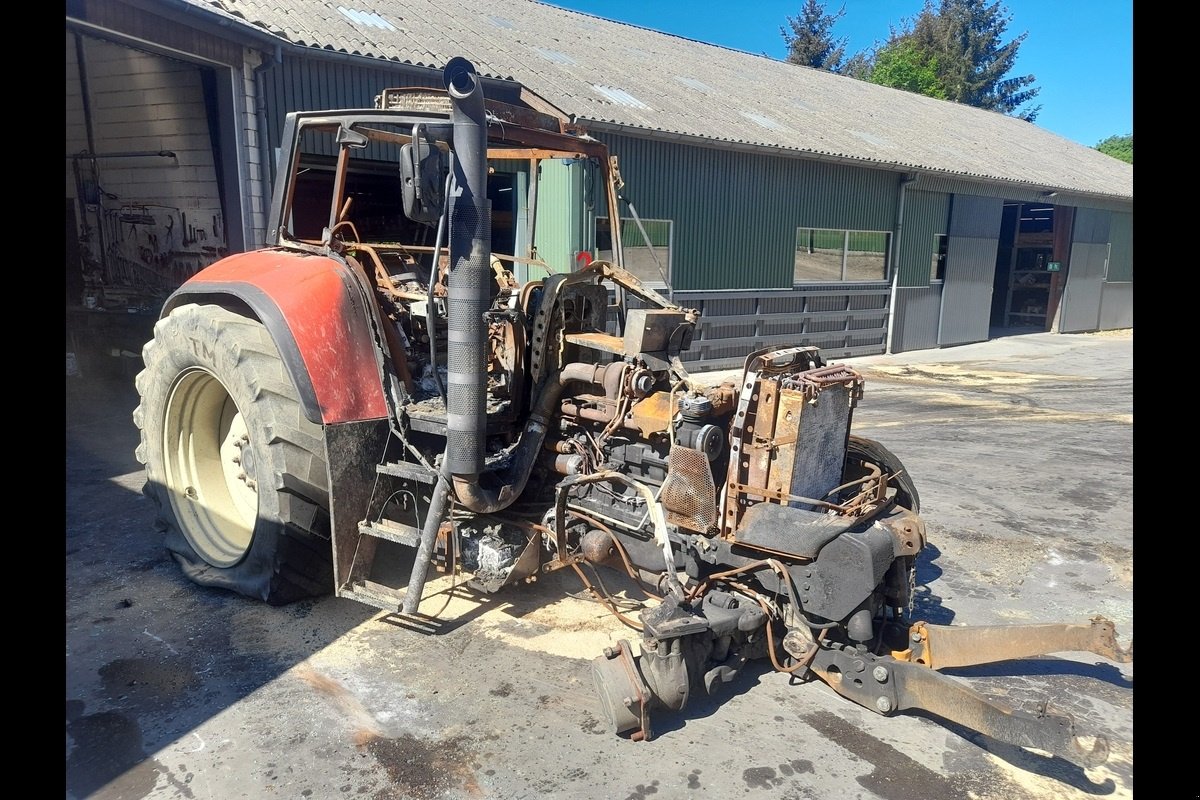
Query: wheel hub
[[210, 466]]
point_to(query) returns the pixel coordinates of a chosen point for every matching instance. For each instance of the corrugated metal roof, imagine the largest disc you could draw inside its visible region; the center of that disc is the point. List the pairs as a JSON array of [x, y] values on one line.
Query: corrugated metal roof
[[813, 111]]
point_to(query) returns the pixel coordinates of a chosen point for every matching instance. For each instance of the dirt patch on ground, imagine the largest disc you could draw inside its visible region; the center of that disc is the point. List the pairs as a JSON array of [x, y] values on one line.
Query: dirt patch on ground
[[424, 769]]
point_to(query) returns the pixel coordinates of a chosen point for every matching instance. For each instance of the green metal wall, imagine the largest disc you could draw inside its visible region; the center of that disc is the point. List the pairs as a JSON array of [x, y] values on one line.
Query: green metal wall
[[1120, 260], [566, 221], [1031, 195], [736, 213], [926, 215]]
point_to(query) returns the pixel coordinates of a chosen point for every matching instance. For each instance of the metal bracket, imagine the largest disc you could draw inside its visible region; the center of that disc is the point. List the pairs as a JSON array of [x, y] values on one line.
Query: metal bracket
[[885, 685]]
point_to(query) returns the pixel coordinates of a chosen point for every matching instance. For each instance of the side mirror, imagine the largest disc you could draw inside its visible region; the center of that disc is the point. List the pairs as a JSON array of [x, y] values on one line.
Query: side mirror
[[423, 170]]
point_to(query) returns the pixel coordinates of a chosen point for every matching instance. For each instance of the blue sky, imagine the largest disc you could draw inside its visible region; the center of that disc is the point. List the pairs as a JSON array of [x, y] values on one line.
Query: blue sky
[[1080, 51]]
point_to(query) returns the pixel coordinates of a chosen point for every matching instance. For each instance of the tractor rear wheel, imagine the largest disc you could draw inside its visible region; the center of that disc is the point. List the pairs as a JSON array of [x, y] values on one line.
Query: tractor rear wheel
[[235, 470], [862, 450]]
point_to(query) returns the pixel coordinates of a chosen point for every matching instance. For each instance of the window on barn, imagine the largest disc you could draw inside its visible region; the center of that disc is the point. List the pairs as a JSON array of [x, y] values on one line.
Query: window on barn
[[824, 254], [649, 260], [937, 266]]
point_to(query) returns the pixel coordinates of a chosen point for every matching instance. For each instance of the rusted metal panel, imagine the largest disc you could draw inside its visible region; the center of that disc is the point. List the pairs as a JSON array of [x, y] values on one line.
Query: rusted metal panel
[[943, 646], [758, 449]]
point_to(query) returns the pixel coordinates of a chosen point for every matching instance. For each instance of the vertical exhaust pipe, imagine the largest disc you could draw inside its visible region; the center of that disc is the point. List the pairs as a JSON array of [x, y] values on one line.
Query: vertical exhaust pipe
[[468, 298], [470, 275]]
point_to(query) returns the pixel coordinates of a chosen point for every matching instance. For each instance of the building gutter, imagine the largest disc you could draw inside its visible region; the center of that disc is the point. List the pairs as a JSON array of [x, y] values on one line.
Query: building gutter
[[811, 155], [213, 21]]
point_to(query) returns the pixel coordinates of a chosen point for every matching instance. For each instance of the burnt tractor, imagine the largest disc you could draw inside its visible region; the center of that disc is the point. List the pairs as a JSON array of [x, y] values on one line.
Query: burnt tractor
[[389, 372]]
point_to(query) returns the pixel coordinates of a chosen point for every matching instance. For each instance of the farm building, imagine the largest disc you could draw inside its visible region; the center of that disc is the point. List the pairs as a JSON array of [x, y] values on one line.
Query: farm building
[[789, 205]]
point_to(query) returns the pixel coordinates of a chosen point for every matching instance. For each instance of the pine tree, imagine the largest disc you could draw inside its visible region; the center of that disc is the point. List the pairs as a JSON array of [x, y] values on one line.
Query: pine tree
[[809, 38], [966, 39]]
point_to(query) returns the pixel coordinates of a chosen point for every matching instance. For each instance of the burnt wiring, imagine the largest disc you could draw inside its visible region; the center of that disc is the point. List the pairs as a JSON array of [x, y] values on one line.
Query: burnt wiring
[[603, 598], [600, 597], [621, 603]]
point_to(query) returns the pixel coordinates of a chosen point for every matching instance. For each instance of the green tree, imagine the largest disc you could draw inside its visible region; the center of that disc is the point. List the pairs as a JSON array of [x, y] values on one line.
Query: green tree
[[966, 38], [953, 50], [902, 64], [809, 38], [1118, 147]]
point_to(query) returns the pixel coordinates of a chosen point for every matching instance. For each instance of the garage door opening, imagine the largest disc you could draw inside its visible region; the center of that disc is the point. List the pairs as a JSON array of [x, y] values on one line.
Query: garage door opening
[[1031, 267]]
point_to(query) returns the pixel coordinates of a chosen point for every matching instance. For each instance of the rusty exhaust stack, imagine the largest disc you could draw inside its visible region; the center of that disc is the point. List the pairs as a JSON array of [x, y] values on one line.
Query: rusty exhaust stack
[[468, 300], [470, 275]]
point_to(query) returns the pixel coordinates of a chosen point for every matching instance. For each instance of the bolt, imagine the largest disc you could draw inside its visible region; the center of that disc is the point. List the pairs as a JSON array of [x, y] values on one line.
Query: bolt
[[682, 688], [859, 665], [628, 701], [807, 587], [236, 460], [880, 674], [916, 637], [610, 653], [884, 705]]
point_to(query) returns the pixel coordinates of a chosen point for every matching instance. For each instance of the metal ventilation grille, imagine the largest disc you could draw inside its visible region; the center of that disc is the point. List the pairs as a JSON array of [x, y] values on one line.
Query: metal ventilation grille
[[412, 99], [689, 494]]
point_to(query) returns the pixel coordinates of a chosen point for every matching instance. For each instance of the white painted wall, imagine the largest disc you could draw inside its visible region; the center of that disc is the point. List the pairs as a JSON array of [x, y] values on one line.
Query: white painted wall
[[145, 102]]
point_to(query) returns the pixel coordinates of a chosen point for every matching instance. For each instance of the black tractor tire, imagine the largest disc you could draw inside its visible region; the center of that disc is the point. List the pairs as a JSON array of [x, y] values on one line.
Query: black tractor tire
[[236, 471], [860, 449]]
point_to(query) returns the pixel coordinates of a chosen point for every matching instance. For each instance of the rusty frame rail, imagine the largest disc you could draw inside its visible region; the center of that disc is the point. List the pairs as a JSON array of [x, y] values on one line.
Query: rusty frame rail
[[940, 646], [885, 685]]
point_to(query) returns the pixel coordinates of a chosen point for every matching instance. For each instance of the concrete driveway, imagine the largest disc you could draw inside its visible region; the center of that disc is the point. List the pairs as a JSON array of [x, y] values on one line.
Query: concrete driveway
[[1021, 449]]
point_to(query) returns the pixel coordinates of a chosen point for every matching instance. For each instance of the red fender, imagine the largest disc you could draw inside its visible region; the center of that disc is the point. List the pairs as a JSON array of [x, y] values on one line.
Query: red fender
[[315, 310]]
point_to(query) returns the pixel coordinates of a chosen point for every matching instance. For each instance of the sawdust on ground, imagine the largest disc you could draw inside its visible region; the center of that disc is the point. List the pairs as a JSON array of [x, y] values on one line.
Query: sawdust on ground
[[540, 616]]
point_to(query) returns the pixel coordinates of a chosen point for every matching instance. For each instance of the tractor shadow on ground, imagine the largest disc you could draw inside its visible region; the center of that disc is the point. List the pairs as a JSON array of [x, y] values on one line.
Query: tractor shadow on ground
[[1046, 665], [701, 705], [1053, 767], [151, 655], [927, 606]]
